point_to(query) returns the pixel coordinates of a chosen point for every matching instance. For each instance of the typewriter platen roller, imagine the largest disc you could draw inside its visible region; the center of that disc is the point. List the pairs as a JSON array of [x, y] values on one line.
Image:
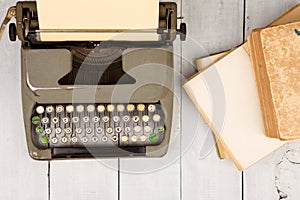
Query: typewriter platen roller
[[96, 98]]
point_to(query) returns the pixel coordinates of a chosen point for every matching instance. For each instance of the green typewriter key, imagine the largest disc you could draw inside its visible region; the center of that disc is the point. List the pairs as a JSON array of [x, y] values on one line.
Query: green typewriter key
[[39, 129], [36, 120], [160, 129], [153, 137], [44, 140]]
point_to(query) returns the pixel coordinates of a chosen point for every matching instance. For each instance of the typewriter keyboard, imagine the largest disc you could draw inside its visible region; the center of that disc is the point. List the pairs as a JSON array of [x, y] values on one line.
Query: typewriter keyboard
[[95, 125]]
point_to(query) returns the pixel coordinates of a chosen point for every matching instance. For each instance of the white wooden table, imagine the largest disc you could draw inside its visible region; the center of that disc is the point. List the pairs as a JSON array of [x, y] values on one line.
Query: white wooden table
[[191, 169]]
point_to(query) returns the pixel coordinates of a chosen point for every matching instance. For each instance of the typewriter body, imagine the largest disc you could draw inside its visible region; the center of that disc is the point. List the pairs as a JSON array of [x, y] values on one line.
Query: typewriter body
[[96, 98]]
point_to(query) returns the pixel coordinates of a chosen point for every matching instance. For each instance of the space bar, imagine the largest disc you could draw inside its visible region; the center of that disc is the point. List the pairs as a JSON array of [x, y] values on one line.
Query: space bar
[[98, 152]]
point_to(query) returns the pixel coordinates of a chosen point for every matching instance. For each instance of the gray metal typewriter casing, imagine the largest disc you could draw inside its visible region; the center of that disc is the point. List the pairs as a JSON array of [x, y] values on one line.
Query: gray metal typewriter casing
[[43, 67]]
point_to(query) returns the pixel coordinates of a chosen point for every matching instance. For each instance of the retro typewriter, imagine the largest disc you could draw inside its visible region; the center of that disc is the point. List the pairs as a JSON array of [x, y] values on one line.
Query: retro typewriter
[[95, 98]]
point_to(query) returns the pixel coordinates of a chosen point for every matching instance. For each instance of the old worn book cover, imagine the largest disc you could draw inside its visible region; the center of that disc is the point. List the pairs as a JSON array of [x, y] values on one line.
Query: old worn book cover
[[275, 56]]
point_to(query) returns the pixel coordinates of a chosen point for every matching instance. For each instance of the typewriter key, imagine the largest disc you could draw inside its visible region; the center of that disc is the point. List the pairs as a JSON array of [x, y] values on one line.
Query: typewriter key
[[90, 108], [68, 130], [153, 137], [65, 120], [40, 109], [110, 108], [55, 120], [134, 138], [115, 138], [94, 139], [58, 130], [44, 140], [118, 129], [120, 108], [156, 118], [147, 129], [45, 120], [49, 109], [59, 109], [104, 139], [70, 109], [127, 129], [78, 130], [141, 107], [88, 130], [143, 138], [145, 118], [85, 140], [137, 129], [86, 119], [54, 140], [116, 118], [75, 119], [126, 118], [130, 107], [35, 120], [74, 139], [80, 108], [135, 118], [160, 129], [105, 119], [96, 119], [124, 138], [109, 130], [101, 108], [64, 139], [99, 130], [39, 129], [48, 131], [151, 108]]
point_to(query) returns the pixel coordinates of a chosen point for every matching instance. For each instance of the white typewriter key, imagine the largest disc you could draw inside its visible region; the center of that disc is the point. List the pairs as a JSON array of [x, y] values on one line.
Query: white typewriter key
[[54, 140], [104, 139], [64, 139], [109, 130], [124, 138], [75, 119], [141, 107], [80, 108], [78, 130], [105, 118], [49, 109], [118, 129], [88, 130], [130, 107], [110, 108], [114, 138], [120, 108], [84, 139], [116, 118], [55, 120], [86, 119], [147, 129], [156, 118], [137, 129], [96, 119], [134, 138], [48, 131], [70, 108], [145, 118], [127, 129], [59, 109], [126, 118], [151, 108], [143, 138], [74, 139], [65, 120], [99, 130], [101, 108], [40, 109], [94, 139], [58, 130], [45, 120], [68, 130], [135, 118], [90, 108]]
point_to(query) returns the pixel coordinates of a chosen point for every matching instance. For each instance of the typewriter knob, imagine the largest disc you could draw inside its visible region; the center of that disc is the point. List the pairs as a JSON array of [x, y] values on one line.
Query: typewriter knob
[[182, 31], [12, 32]]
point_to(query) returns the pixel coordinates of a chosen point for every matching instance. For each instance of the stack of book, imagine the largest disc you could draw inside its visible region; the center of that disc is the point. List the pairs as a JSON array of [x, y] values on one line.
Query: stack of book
[[250, 96]]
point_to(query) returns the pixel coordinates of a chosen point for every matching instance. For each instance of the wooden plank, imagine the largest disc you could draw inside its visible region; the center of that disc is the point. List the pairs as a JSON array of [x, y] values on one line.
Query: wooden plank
[[21, 176], [266, 179], [156, 178], [213, 26], [84, 179]]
